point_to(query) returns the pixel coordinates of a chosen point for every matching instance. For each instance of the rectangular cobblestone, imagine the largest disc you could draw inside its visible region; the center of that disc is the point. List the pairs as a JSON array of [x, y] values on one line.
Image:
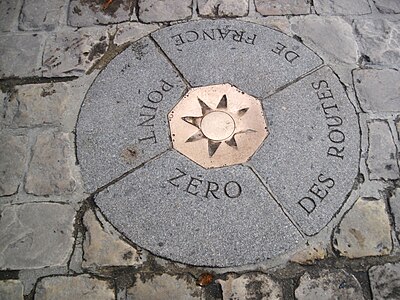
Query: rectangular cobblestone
[[9, 12], [388, 6], [41, 14], [164, 11], [223, 8], [283, 7], [20, 55], [342, 7]]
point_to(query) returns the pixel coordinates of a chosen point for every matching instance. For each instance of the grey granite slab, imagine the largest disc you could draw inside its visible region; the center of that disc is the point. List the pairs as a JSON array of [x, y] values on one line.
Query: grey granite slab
[[310, 159], [252, 57], [123, 120], [217, 217]]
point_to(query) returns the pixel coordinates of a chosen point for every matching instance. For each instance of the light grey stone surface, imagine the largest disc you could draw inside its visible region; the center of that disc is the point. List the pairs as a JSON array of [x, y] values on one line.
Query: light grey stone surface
[[9, 11], [394, 203], [51, 167], [250, 286], [35, 235], [164, 11], [69, 53], [37, 104], [310, 159], [41, 14], [331, 37], [130, 32], [20, 55], [282, 7], [167, 207], [76, 287], [329, 284], [13, 155], [378, 90], [89, 13], [385, 281], [223, 8], [381, 160], [364, 231], [388, 6], [11, 290], [342, 7], [123, 121], [243, 54], [379, 41], [160, 287], [104, 247]]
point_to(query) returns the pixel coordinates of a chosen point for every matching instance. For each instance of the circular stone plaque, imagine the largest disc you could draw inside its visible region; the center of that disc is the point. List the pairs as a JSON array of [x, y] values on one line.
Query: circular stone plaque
[[218, 143]]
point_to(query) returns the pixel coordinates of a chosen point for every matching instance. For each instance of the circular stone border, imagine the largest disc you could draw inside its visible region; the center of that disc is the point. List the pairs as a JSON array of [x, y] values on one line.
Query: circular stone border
[[159, 199]]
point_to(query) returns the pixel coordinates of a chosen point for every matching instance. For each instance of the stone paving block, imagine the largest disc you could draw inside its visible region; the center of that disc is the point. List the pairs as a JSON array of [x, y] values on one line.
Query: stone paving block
[[13, 155], [9, 12], [388, 6], [223, 8], [209, 52], [160, 287], [385, 281], [35, 235], [51, 168], [331, 37], [318, 137], [41, 15], [283, 7], [88, 13], [329, 284], [130, 32], [164, 11], [310, 254], [103, 246], [378, 90], [382, 153], [148, 98], [11, 290], [189, 224], [250, 286], [69, 53], [394, 203], [74, 287], [342, 7], [364, 231], [38, 104], [20, 55], [379, 41]]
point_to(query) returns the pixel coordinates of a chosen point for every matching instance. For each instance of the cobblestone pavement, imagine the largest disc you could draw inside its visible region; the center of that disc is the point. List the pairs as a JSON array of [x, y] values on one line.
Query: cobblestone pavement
[[54, 242]]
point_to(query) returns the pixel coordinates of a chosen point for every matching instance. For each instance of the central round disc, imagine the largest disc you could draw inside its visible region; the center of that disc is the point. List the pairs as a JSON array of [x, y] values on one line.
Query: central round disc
[[217, 125]]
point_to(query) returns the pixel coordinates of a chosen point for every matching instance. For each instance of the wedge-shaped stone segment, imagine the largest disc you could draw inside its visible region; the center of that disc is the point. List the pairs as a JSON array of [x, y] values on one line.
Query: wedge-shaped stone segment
[[215, 217], [310, 160], [123, 120], [254, 58]]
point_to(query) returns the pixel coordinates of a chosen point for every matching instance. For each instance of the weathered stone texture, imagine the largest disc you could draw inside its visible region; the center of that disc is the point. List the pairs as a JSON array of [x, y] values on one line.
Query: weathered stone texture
[[35, 235], [282, 7], [78, 287], [394, 203], [388, 6], [130, 32], [160, 287], [385, 281], [331, 37], [104, 247], [41, 14], [379, 41], [20, 55], [11, 290], [88, 13], [378, 90], [13, 154], [310, 254], [9, 11], [223, 8], [37, 104], [164, 11], [381, 160], [51, 168], [250, 286], [364, 231], [329, 285], [342, 7], [70, 53]]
